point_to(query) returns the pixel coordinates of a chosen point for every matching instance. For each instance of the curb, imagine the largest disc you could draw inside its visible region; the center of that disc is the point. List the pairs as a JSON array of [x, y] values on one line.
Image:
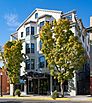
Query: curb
[[35, 98], [45, 98]]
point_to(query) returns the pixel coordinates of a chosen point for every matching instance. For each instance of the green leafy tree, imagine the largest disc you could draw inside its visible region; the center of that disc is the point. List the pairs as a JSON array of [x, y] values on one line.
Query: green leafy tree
[[2, 57], [2, 60], [13, 57], [62, 50]]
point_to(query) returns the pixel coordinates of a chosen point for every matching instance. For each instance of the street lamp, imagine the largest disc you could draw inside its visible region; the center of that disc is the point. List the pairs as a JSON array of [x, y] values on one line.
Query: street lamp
[[1, 83]]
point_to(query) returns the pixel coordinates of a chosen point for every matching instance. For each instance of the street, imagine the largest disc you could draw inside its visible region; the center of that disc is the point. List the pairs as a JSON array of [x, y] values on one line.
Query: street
[[36, 101]]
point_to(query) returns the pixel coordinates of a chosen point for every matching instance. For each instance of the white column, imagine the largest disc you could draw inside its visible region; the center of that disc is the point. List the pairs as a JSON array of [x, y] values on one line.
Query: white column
[[11, 89], [72, 86], [25, 89], [51, 85]]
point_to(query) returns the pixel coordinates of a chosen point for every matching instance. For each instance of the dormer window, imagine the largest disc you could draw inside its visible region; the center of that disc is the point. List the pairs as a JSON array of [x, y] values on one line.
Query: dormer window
[[36, 15]]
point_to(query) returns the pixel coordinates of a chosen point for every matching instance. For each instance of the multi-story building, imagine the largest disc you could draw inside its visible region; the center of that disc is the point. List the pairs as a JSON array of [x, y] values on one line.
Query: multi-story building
[[34, 74]]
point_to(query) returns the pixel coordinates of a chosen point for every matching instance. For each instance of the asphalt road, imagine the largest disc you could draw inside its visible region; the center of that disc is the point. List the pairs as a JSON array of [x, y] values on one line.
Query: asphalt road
[[30, 101]]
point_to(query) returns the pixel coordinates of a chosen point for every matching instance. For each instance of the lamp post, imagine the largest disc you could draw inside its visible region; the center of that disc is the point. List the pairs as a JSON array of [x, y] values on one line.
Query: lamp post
[[1, 83]]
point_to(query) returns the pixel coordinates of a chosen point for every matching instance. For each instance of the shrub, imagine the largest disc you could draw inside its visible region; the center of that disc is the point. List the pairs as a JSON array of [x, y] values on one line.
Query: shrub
[[17, 92], [55, 94]]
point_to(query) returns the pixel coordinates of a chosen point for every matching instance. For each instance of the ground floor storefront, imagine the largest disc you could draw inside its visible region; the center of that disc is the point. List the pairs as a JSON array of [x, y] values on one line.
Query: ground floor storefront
[[44, 84]]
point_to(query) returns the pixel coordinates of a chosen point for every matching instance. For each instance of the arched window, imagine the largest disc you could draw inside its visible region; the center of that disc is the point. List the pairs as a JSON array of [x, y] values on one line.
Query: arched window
[[36, 15]]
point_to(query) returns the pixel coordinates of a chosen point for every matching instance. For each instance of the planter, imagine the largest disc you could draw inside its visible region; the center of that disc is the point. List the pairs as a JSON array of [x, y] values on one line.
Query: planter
[[18, 92], [18, 95]]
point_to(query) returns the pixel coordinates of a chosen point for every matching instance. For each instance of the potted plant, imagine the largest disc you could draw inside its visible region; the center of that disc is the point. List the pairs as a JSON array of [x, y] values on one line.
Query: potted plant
[[18, 92], [55, 94]]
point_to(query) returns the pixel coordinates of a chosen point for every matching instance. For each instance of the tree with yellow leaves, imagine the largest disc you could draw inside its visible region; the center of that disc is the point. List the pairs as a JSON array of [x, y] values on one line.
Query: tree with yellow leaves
[[13, 57], [62, 50]]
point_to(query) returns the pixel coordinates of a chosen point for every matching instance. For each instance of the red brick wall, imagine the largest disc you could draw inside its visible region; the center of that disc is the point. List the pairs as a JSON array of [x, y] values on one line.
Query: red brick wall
[[5, 82]]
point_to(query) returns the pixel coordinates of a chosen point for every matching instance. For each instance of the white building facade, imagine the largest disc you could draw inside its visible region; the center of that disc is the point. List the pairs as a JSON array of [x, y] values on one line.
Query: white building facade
[[34, 74]]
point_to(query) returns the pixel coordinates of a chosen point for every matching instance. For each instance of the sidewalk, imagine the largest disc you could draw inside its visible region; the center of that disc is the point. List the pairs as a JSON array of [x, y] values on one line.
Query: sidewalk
[[48, 98], [81, 98]]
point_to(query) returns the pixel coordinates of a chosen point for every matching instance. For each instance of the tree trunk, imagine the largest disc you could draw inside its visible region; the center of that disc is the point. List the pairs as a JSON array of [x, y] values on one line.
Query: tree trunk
[[62, 89]]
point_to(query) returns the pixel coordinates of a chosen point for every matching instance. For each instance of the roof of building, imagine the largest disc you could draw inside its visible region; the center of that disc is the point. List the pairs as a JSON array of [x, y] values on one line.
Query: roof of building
[[38, 9], [68, 13]]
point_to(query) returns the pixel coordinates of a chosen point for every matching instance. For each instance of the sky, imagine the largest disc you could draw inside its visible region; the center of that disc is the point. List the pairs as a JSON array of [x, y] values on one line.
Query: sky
[[14, 12]]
